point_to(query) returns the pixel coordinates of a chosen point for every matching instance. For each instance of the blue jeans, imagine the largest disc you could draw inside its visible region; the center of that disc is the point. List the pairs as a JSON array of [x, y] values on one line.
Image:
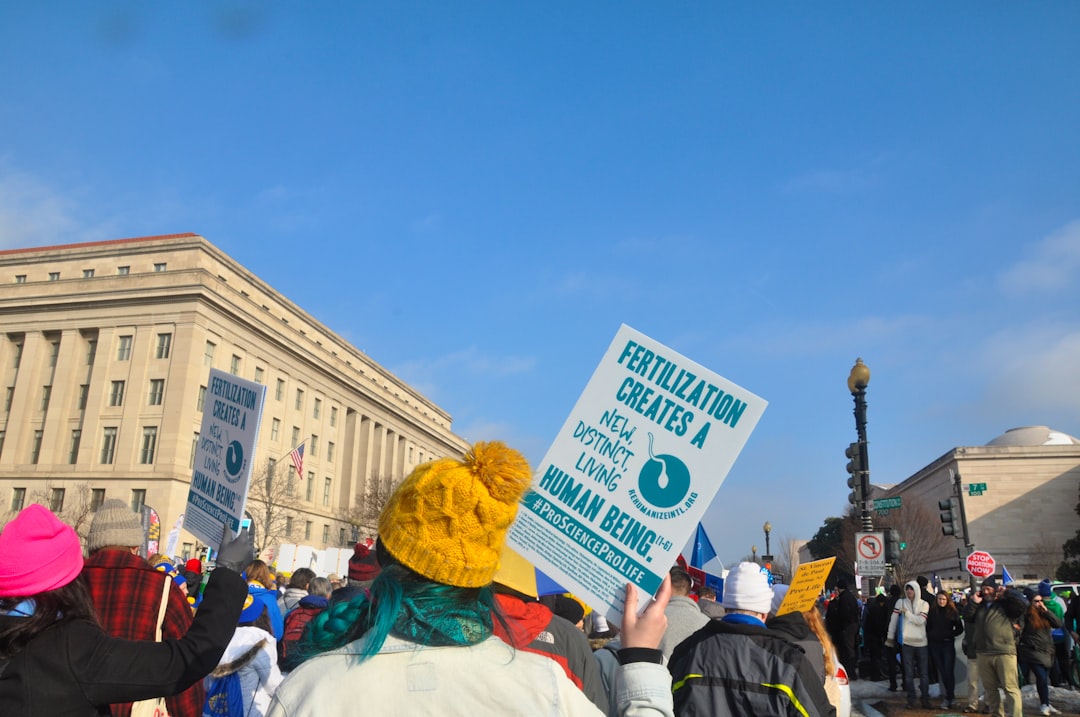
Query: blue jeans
[[1042, 680], [917, 657], [944, 656]]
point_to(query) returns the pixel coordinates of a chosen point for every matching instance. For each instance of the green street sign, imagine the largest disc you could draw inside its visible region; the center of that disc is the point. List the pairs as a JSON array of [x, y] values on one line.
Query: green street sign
[[976, 488], [973, 492], [886, 503]]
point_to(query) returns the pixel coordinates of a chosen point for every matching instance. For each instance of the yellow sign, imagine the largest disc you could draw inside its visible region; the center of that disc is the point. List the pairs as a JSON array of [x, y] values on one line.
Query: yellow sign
[[806, 586]]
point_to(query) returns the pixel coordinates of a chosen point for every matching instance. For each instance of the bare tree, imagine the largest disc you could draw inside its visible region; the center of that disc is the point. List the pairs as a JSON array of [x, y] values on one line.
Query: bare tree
[[271, 495], [363, 514], [76, 508], [920, 530], [1045, 556], [787, 557]]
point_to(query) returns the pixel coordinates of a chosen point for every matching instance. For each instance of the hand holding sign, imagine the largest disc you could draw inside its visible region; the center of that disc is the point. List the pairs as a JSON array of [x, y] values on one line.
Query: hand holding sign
[[237, 553]]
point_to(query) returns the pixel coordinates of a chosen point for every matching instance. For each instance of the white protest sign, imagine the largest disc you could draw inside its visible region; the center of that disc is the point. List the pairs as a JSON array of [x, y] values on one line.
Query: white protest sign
[[223, 456], [639, 459]]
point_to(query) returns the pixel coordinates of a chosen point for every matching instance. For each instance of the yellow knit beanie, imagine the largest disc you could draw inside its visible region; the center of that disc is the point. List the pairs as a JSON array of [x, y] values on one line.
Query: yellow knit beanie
[[447, 521]]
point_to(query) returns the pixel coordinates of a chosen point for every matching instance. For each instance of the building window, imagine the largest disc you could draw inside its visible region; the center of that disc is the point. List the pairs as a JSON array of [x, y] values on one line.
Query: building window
[[9, 393], [299, 399], [314, 446], [149, 444], [208, 353], [333, 416], [76, 439], [410, 455], [91, 351], [200, 400], [317, 408], [138, 500], [326, 491], [108, 444], [258, 375], [307, 530], [54, 276], [54, 352], [341, 536], [123, 270], [295, 436], [234, 366], [279, 392], [116, 395], [194, 448], [157, 391], [329, 451], [188, 551], [325, 533], [123, 349], [309, 491], [56, 500], [275, 429], [18, 354], [164, 345], [288, 526], [290, 484], [84, 392], [46, 394], [20, 278], [97, 497], [3, 435], [160, 266], [35, 447], [18, 499], [88, 273]]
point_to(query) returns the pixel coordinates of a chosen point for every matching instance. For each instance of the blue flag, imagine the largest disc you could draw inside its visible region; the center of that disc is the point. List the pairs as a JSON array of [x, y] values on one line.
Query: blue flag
[[703, 549], [1006, 579]]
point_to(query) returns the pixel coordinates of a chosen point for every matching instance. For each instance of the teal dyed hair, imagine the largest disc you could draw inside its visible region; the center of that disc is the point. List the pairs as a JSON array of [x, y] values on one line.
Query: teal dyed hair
[[406, 605]]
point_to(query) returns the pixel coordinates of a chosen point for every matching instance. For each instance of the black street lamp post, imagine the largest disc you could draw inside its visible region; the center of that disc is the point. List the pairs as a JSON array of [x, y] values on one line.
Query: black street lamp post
[[857, 381]]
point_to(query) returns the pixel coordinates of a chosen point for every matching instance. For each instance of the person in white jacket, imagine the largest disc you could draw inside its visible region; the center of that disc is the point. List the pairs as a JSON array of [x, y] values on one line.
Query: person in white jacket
[[908, 626], [252, 656], [422, 643]]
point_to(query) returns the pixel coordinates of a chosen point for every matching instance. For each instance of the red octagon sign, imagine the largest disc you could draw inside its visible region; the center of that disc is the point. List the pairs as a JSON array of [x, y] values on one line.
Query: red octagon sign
[[980, 564]]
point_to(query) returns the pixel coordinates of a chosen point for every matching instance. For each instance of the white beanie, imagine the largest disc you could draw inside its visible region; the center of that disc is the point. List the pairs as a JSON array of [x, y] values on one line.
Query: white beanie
[[747, 588]]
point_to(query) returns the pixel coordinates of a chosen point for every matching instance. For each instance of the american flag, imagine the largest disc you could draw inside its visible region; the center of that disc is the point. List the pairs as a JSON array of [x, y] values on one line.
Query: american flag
[[297, 458]]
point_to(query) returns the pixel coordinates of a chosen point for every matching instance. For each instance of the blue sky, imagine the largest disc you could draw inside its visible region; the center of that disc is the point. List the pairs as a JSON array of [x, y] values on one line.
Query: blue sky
[[478, 195]]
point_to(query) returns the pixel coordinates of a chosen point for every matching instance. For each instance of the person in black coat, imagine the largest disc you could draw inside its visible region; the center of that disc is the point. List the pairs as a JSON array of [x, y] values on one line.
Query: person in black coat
[[842, 622], [943, 625], [55, 660], [875, 629]]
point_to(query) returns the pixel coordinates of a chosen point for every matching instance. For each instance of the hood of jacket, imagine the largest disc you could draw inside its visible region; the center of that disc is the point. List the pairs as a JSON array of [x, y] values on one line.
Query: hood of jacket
[[525, 620], [316, 601]]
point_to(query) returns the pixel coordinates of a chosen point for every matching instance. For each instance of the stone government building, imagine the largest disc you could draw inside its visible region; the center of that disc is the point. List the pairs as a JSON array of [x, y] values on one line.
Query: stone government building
[[105, 350], [1022, 518]]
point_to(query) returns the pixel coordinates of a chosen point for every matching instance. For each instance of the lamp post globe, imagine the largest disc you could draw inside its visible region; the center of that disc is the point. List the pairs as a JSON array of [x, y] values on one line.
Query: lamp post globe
[[768, 529], [753, 553]]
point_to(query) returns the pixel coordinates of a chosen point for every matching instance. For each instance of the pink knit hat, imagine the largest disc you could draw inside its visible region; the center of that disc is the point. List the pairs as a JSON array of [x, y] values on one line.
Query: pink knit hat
[[38, 553]]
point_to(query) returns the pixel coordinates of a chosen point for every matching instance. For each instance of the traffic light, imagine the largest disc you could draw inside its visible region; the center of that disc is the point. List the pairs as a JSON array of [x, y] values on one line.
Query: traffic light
[[854, 469], [950, 517], [892, 546]]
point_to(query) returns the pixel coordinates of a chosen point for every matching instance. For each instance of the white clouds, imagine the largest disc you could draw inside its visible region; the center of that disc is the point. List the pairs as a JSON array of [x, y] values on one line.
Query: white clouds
[[1055, 264], [32, 213], [1033, 368]]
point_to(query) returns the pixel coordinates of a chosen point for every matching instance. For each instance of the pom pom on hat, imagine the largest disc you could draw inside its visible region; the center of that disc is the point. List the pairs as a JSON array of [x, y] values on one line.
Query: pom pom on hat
[[38, 553], [447, 521], [114, 524], [747, 588], [362, 565]]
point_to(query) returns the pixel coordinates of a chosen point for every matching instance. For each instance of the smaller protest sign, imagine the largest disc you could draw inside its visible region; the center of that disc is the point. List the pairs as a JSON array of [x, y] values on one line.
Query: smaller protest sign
[[806, 586]]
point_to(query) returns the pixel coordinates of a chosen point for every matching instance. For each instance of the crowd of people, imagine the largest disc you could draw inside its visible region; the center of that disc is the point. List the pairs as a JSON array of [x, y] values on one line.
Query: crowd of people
[[1009, 635], [427, 622]]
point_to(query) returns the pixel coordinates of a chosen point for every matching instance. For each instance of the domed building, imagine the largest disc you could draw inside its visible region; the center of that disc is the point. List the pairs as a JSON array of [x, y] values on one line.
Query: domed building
[[1019, 494]]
